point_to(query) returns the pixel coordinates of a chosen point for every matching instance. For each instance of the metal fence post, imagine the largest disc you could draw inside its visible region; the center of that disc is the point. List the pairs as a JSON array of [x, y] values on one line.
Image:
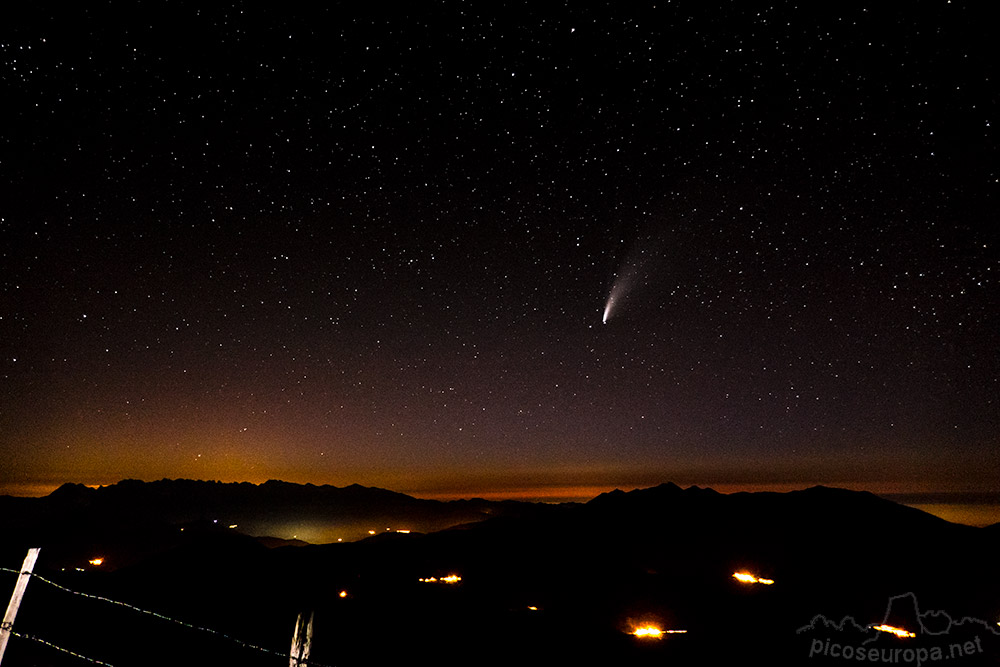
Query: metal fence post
[[15, 598]]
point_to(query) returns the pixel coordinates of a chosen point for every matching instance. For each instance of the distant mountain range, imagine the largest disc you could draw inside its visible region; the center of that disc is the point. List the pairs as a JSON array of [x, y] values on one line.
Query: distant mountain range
[[134, 516]]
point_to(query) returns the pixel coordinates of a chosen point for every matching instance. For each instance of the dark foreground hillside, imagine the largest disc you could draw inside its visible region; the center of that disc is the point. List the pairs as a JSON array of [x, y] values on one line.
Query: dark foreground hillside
[[561, 587]]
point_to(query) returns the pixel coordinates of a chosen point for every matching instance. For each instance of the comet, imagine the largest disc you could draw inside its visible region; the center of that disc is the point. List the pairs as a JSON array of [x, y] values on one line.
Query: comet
[[633, 271], [619, 290]]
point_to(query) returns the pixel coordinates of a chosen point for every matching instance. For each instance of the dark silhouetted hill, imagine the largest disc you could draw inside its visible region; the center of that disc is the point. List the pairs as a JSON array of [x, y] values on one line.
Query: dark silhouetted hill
[[539, 584], [133, 519]]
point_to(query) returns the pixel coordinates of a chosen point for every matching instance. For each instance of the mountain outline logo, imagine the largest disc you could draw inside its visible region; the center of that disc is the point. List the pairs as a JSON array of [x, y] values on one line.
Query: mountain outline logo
[[933, 623], [906, 635]]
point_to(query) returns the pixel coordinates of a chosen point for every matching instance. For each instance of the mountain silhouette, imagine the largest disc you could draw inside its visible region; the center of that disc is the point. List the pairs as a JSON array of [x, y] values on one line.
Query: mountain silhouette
[[135, 518]]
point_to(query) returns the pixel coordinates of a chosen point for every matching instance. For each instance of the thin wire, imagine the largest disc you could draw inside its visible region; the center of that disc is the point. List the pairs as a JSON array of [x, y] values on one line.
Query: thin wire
[[14, 633], [162, 617]]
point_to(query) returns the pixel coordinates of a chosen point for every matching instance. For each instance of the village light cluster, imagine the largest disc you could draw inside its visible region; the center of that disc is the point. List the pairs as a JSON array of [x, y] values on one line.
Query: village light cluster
[[748, 578], [652, 631], [899, 632], [450, 579], [648, 631]]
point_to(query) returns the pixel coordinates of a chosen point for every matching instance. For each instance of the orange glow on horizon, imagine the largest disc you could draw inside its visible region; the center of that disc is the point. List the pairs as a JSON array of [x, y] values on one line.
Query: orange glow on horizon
[[96, 562], [540, 493], [748, 578]]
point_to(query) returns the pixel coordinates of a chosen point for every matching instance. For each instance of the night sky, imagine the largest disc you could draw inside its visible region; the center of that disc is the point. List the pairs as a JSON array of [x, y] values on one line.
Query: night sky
[[377, 243]]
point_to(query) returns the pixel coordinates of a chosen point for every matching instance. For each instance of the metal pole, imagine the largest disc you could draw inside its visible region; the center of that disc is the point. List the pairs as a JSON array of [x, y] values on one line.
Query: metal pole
[[15, 599]]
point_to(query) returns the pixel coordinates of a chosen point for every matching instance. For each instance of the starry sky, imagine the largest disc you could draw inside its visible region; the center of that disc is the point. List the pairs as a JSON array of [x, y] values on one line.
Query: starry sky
[[374, 243]]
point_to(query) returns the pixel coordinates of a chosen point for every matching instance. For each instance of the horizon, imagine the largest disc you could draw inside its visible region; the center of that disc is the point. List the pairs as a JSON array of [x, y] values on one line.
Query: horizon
[[976, 509]]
